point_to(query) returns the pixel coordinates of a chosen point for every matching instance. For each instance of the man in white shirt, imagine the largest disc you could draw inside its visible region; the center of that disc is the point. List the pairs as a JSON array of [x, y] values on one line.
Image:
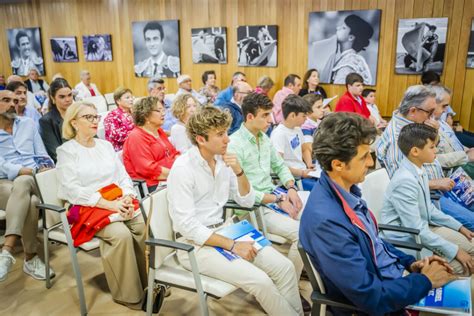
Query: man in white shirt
[[186, 86], [199, 184], [86, 88]]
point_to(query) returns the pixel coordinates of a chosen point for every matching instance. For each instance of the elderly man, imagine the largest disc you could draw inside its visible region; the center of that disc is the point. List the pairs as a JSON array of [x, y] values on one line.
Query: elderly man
[[37, 86], [185, 86], [226, 95], [86, 88], [28, 58], [417, 106], [20, 144], [240, 90], [156, 88]]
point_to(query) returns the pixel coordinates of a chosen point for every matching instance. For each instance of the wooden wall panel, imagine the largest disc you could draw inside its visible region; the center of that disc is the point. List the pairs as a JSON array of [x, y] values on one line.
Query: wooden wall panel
[[82, 17]]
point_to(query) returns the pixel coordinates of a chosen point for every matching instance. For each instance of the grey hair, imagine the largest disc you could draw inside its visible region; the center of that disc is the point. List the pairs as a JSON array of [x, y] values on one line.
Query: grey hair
[[415, 96], [440, 91], [153, 81], [84, 72]]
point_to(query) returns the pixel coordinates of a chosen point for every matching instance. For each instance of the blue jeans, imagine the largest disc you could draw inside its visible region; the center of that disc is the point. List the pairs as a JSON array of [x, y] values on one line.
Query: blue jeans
[[463, 215]]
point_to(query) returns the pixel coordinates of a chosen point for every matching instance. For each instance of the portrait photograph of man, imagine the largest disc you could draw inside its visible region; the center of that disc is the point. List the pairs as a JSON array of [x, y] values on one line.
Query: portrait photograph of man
[[25, 50], [156, 48]]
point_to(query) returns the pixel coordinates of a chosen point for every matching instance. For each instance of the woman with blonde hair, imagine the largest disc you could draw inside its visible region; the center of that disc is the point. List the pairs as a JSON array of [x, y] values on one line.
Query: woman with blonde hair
[[183, 107], [94, 181]]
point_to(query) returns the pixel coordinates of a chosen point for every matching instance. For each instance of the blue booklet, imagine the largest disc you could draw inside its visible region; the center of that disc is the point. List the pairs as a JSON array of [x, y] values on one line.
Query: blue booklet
[[463, 190], [43, 162], [454, 299], [242, 231]]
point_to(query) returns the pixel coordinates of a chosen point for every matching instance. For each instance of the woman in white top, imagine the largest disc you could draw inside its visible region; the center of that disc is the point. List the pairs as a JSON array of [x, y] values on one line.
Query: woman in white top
[[183, 107], [85, 165]]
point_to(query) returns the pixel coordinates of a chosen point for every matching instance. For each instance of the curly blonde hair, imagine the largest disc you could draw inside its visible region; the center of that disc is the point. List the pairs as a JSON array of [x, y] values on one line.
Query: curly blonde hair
[[180, 106], [204, 120], [143, 108]]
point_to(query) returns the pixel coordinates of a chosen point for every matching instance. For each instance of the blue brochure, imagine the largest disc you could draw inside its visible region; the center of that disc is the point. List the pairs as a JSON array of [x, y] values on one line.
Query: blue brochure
[[43, 162], [454, 298], [242, 231]]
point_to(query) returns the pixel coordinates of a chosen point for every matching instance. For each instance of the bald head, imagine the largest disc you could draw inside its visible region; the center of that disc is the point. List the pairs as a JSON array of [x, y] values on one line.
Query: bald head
[[14, 78], [7, 101], [241, 90]]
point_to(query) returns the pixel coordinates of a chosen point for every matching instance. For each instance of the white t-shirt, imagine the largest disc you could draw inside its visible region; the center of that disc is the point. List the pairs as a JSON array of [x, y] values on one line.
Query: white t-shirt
[[179, 138], [288, 142]]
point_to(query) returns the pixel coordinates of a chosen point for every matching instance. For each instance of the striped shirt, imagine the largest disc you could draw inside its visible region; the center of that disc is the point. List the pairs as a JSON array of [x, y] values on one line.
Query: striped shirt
[[391, 155]]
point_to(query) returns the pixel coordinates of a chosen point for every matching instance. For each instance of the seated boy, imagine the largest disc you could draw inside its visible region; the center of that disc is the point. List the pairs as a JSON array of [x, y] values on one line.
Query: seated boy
[[310, 126], [407, 202], [287, 138], [369, 97], [199, 184], [339, 233]]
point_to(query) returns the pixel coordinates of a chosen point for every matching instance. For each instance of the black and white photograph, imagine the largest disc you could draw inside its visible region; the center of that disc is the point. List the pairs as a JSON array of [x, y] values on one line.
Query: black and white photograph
[[156, 48], [342, 42], [421, 44], [257, 45], [64, 49], [470, 51], [97, 47], [209, 45], [25, 50]]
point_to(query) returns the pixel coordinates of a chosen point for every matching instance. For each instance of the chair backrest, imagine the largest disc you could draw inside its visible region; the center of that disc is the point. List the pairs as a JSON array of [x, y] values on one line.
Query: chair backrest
[[99, 102], [373, 190], [161, 226], [101, 127], [314, 277], [109, 98], [47, 184]]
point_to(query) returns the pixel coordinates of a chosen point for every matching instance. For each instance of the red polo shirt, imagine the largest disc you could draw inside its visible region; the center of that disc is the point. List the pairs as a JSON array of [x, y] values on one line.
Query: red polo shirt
[[347, 103]]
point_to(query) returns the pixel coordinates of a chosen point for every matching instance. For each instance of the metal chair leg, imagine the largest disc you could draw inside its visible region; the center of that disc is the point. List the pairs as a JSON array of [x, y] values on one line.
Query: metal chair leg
[[46, 255], [199, 288], [149, 299]]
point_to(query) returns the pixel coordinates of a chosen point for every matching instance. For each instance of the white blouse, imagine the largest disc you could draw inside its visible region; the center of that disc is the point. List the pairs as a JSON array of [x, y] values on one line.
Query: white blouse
[[82, 171], [179, 138]]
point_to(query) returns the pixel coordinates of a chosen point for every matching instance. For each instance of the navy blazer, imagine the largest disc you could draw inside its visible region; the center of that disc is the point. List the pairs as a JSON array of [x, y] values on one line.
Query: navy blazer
[[237, 116], [343, 254]]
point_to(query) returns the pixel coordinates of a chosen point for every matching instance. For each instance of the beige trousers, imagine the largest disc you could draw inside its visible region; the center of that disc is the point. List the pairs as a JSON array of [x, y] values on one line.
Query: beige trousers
[[122, 248], [459, 239], [19, 199], [270, 277]]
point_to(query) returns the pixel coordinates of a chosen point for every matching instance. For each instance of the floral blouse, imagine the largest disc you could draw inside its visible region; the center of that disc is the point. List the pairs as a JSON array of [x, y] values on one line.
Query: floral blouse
[[118, 125]]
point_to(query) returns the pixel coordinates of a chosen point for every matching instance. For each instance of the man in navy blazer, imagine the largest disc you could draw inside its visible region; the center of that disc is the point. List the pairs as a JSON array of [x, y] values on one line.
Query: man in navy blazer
[[340, 234]]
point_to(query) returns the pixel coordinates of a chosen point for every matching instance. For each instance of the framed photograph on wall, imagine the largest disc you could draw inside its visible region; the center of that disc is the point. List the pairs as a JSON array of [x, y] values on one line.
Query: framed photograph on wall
[[25, 50], [156, 48], [257, 45], [209, 45], [64, 49], [97, 47], [470, 50], [342, 42], [421, 44]]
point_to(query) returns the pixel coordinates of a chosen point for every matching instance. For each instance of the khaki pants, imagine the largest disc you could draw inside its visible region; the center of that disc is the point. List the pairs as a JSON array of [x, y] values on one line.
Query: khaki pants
[[19, 199], [122, 248], [458, 239], [270, 277]]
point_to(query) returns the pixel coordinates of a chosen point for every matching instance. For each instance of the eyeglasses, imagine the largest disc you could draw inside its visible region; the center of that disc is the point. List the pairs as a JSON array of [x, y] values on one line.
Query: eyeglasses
[[8, 100], [430, 112], [91, 117], [159, 88]]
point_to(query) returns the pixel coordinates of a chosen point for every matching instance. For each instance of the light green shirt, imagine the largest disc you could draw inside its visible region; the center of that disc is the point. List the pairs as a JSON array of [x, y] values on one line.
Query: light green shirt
[[258, 161]]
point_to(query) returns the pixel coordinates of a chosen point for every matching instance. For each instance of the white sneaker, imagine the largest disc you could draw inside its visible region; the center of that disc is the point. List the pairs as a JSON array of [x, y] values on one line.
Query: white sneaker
[[6, 262], [36, 269]]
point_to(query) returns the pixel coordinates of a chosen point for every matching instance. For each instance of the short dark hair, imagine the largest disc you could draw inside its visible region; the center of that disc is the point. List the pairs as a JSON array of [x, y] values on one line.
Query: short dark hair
[[12, 86], [154, 26], [430, 77], [206, 74], [255, 101], [295, 104], [19, 35], [367, 91], [338, 137], [290, 79], [312, 97], [352, 78], [361, 30], [415, 135]]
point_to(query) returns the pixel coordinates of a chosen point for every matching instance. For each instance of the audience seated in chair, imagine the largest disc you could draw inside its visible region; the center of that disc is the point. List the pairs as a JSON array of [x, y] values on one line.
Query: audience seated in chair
[[184, 106], [407, 202], [156, 88], [185, 86], [85, 88], [30, 97], [292, 86], [20, 142], [119, 122], [60, 98], [340, 233], [310, 126], [310, 84], [199, 185], [86, 169], [417, 106], [352, 100], [369, 98], [22, 107], [264, 85], [240, 90], [227, 94], [147, 152], [209, 90]]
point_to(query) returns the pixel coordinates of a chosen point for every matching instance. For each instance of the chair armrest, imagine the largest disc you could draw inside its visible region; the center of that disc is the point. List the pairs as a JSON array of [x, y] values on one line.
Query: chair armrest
[[51, 207], [404, 244], [169, 244], [235, 205], [399, 229], [323, 299], [138, 181]]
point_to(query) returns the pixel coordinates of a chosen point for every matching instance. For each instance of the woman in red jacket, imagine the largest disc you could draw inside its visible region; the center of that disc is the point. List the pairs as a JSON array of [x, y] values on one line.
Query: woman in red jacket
[[147, 152]]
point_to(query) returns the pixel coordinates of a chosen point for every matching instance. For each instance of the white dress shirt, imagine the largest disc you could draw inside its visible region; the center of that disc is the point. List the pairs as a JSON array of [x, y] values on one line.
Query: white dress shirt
[[179, 138], [83, 92], [196, 197], [82, 171]]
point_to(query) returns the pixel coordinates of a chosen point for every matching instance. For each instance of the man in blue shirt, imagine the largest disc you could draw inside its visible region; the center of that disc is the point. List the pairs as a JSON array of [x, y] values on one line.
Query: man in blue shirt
[[22, 107], [340, 234], [20, 143], [226, 95]]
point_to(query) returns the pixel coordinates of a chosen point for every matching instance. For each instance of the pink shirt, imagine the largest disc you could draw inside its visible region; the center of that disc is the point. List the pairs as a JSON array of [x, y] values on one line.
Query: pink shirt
[[118, 125], [278, 99]]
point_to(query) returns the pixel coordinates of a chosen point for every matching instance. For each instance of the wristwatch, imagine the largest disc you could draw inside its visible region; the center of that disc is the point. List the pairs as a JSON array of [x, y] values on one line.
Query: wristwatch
[[280, 198], [293, 187]]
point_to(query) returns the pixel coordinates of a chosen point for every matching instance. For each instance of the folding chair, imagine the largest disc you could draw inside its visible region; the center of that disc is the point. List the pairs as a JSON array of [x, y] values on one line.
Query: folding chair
[[164, 265], [99, 102], [56, 227], [109, 100]]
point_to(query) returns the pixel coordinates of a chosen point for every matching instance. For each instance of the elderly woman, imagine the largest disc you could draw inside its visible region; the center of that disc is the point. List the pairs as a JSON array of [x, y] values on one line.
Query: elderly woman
[[147, 152], [183, 107], [209, 90], [91, 177], [311, 84], [119, 122]]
